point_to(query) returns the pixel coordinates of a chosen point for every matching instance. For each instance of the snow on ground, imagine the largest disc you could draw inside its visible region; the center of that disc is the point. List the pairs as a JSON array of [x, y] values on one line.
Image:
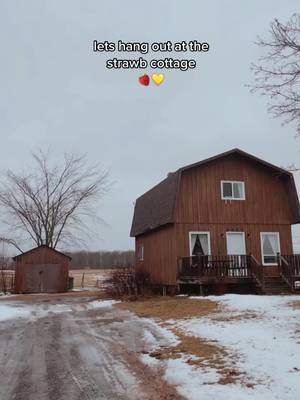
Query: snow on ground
[[165, 336], [8, 312], [14, 310], [102, 303], [263, 332], [2, 294]]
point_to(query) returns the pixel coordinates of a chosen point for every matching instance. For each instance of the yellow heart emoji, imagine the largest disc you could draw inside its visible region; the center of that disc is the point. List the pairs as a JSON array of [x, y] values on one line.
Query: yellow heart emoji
[[158, 78]]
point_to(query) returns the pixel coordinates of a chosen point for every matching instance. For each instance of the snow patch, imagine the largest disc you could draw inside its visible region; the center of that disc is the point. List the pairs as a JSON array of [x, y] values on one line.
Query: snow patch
[[162, 336], [262, 331], [8, 312], [102, 303], [150, 361]]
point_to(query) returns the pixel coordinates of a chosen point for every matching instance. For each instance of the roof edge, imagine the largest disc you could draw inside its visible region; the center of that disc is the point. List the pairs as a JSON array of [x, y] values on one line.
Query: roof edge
[[240, 152], [37, 247]]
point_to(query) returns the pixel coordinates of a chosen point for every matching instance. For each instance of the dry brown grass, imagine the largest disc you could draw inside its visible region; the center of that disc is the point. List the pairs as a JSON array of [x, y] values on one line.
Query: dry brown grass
[[202, 353], [223, 317], [199, 352], [165, 308], [295, 304]]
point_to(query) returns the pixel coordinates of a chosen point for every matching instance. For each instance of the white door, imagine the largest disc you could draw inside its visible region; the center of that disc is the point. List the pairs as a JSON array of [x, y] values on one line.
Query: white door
[[235, 243], [236, 248]]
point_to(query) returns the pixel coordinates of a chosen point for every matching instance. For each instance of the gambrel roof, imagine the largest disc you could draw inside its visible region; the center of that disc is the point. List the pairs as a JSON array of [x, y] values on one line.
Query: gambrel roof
[[156, 207]]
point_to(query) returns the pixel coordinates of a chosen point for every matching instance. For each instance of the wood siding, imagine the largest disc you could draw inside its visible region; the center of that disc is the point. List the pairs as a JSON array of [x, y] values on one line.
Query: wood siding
[[160, 254], [53, 266], [199, 207], [218, 238], [199, 198]]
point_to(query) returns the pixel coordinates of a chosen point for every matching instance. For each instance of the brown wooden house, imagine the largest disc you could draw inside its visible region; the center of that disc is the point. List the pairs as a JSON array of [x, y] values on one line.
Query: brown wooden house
[[223, 223], [42, 270]]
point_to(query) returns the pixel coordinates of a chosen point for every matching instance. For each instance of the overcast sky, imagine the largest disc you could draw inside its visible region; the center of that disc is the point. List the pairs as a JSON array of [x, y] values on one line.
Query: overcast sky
[[54, 91]]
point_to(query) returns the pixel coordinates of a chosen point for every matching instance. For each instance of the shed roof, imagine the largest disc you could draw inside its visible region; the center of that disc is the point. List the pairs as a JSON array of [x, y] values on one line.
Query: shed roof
[[38, 247], [156, 207]]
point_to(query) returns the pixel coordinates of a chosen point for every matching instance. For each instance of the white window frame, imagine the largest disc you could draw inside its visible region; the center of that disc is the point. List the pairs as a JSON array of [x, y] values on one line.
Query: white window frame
[[262, 249], [240, 233], [140, 255], [197, 233], [233, 198]]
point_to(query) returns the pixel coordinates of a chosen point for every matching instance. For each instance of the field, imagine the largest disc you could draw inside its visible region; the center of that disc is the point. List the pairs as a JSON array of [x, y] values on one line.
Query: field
[[90, 278]]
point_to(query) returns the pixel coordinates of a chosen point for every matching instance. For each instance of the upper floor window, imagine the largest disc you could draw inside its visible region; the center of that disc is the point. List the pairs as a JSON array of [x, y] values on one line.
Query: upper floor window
[[233, 190]]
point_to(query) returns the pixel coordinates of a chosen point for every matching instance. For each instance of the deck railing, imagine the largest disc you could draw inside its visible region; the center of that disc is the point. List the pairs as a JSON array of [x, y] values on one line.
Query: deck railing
[[230, 266], [257, 271], [238, 266], [289, 268]]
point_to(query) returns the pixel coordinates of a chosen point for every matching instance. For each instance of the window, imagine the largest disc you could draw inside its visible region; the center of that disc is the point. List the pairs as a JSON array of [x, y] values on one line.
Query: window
[[233, 190], [199, 243], [141, 253], [270, 247]]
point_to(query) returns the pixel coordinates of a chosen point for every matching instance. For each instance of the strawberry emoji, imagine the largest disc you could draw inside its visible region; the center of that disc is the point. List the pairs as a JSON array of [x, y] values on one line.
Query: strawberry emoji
[[144, 80]]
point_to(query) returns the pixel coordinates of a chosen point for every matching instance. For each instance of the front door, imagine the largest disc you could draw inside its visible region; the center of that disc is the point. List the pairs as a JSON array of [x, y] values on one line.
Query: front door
[[235, 243], [236, 248]]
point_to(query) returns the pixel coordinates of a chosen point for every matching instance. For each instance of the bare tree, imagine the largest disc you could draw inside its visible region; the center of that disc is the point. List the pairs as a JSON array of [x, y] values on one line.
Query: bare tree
[[51, 204], [3, 275], [6, 275], [277, 73]]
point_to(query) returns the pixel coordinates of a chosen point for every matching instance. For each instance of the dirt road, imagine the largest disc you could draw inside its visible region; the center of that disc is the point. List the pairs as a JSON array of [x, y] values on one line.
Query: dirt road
[[65, 349]]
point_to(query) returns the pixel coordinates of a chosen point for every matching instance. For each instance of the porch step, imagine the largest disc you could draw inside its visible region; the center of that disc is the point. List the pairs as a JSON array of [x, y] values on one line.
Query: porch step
[[275, 285]]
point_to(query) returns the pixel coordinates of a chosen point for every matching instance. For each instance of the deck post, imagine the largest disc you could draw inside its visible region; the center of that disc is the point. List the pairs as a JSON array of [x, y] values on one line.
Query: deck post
[[201, 289], [179, 266]]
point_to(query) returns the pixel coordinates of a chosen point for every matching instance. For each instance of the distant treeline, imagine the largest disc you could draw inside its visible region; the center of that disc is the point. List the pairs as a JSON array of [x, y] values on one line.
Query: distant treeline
[[102, 259]]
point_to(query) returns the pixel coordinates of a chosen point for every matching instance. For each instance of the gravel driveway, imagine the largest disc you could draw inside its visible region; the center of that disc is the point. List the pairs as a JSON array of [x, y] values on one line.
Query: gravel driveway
[[66, 349]]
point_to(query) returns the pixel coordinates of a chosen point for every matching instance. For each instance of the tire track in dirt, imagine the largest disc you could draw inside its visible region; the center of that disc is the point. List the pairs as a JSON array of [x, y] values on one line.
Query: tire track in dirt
[[85, 354], [27, 379]]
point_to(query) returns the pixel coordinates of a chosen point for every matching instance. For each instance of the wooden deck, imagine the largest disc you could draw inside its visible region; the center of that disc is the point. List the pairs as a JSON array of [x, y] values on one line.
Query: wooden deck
[[206, 280], [237, 267], [239, 270]]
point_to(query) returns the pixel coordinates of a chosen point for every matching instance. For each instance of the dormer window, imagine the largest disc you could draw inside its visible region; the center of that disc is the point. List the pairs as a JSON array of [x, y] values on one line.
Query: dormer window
[[233, 190]]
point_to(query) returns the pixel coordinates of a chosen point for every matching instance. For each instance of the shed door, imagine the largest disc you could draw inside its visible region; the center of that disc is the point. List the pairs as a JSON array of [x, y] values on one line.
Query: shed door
[[39, 278], [235, 243]]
